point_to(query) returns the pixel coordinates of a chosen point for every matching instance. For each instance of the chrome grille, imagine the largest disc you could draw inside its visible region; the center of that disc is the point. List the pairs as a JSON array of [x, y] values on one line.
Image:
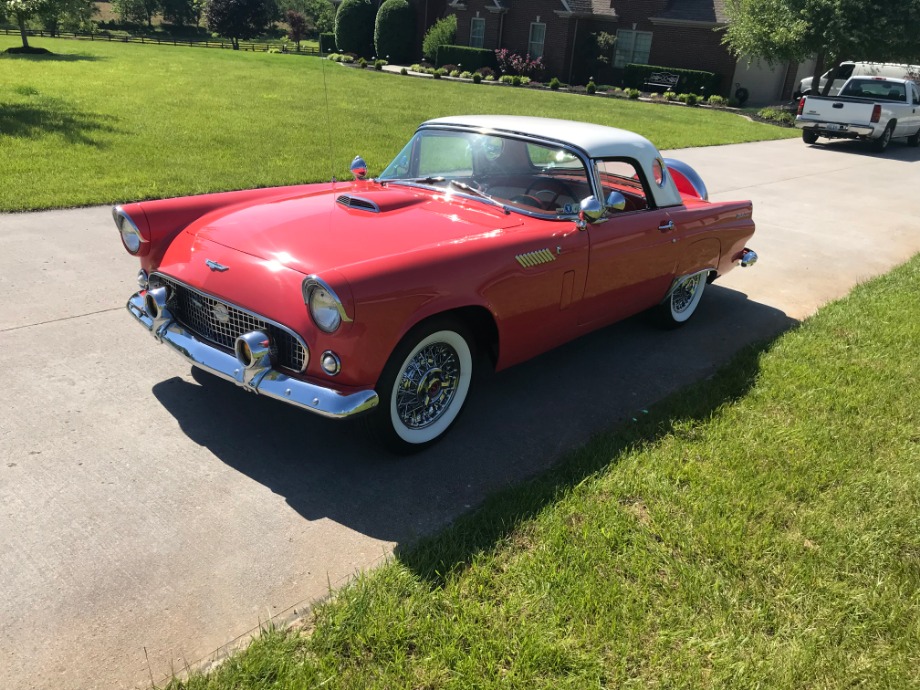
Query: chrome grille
[[222, 323]]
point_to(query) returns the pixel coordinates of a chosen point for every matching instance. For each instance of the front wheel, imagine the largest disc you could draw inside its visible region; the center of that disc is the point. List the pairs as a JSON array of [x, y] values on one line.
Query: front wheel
[[680, 305], [423, 387], [882, 142], [809, 137]]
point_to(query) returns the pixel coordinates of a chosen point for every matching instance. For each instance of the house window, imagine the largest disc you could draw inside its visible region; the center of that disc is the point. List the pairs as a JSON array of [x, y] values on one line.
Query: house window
[[632, 47], [477, 32], [537, 38]]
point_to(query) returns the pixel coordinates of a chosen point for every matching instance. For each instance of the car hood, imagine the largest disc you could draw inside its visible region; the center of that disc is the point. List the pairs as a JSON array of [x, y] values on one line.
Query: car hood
[[351, 224]]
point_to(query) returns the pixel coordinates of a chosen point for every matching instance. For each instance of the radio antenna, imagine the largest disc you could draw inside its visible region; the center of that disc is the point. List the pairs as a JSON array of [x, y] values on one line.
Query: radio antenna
[[330, 148]]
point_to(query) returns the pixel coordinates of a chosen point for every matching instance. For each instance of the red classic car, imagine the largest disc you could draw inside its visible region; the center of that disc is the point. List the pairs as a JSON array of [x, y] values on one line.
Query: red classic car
[[488, 240]]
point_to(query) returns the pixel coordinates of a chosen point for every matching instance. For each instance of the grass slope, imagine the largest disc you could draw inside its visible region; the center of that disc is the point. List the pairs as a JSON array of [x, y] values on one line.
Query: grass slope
[[105, 122], [758, 530]]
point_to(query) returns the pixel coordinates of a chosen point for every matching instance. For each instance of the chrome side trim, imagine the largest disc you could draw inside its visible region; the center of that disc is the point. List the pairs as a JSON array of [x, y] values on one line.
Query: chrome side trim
[[530, 259], [320, 400]]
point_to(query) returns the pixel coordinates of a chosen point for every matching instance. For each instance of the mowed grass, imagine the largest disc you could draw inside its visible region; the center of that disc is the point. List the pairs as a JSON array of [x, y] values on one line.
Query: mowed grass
[[105, 122], [758, 530]]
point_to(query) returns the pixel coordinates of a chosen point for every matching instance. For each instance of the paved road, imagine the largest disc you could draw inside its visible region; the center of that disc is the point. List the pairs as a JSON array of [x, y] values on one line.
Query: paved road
[[150, 515]]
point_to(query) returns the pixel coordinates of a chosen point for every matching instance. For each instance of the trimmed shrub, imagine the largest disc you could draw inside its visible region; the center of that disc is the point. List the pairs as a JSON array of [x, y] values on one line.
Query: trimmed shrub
[[327, 43], [690, 80], [394, 30], [477, 77], [354, 26], [438, 73], [486, 71], [515, 80], [442, 32], [454, 73], [717, 101], [489, 77], [449, 68], [470, 58], [404, 71], [378, 64], [466, 75], [633, 94], [506, 79], [669, 95], [554, 84], [591, 88], [362, 63], [415, 67]]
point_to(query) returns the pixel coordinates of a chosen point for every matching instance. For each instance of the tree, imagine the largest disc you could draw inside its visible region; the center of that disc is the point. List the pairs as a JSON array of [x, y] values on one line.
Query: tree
[[297, 26], [394, 31], [442, 32], [53, 14], [238, 19], [22, 11], [320, 14], [183, 12], [138, 11], [830, 30], [354, 26]]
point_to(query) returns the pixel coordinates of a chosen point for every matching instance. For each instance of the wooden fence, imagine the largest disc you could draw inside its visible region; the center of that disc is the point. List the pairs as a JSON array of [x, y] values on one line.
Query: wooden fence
[[247, 46]]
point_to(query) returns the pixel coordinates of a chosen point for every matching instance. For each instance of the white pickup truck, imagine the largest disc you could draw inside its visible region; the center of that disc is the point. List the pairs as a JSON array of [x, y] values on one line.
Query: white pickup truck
[[875, 109]]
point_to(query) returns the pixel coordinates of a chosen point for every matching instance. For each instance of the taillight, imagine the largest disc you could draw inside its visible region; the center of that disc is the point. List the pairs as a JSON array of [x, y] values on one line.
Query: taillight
[[876, 113], [801, 106]]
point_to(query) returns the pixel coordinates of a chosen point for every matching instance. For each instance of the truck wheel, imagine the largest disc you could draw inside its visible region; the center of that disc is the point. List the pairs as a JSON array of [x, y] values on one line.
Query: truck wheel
[[423, 386], [882, 142], [914, 139], [809, 137]]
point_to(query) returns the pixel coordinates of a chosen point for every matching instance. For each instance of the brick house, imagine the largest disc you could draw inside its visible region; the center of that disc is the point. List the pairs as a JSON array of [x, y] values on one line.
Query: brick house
[[671, 33]]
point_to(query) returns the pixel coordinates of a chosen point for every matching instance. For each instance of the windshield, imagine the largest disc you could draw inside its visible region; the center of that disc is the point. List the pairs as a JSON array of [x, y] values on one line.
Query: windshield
[[512, 172]]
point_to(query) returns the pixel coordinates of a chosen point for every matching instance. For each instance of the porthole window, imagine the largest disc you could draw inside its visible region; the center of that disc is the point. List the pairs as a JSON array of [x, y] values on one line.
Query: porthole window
[[658, 172]]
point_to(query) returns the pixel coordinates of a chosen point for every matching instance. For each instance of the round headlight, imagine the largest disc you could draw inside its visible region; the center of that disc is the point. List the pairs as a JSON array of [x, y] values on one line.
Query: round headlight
[[130, 236], [324, 309]]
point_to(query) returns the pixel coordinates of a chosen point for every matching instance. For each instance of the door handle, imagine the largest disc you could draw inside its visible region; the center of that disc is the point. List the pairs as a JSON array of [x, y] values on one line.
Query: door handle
[[667, 227]]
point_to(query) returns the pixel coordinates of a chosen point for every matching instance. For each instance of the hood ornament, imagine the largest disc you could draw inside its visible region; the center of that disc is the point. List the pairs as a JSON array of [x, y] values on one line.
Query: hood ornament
[[214, 266], [359, 168]]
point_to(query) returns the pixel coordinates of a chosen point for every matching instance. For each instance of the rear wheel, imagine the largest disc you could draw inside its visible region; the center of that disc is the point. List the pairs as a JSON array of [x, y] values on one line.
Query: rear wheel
[[680, 305], [809, 137], [423, 386], [882, 142]]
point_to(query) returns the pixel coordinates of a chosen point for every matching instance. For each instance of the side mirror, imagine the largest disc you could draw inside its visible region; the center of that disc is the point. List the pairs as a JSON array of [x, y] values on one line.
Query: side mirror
[[590, 210], [616, 201]]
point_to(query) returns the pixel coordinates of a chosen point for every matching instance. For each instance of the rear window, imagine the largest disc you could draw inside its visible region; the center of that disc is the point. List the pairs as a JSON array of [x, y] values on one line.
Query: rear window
[[877, 89]]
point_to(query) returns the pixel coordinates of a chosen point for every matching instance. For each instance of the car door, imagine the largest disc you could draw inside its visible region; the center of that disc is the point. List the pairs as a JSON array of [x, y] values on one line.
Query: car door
[[632, 254]]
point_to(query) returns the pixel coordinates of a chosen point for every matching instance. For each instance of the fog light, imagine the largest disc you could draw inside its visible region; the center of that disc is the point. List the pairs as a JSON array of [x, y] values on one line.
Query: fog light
[[330, 363]]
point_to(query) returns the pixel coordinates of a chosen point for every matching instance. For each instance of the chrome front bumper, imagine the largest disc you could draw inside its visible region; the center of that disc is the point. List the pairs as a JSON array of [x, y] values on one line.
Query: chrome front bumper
[[269, 382]]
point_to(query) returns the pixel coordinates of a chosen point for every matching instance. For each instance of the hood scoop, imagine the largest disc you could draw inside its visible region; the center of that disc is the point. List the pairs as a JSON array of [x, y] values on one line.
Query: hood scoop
[[358, 203]]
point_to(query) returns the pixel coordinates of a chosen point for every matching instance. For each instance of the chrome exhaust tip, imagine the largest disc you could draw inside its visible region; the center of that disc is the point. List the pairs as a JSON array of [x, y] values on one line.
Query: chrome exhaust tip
[[748, 257]]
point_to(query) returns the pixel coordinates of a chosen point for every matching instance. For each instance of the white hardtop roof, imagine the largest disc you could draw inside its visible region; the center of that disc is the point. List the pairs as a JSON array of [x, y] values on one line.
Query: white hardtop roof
[[597, 141]]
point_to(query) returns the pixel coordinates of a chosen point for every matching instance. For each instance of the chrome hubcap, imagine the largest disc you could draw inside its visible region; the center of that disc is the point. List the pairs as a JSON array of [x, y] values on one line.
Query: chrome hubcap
[[428, 385], [682, 297]]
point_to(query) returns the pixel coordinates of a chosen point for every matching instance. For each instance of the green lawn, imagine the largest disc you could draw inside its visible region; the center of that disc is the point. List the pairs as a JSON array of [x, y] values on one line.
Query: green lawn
[[758, 530], [103, 122]]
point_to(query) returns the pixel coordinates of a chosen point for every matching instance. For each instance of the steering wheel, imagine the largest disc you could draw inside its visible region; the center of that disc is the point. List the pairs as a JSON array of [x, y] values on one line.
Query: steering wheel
[[548, 190]]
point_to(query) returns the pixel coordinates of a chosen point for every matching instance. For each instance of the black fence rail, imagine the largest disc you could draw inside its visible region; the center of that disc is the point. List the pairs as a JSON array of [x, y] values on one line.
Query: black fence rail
[[170, 41]]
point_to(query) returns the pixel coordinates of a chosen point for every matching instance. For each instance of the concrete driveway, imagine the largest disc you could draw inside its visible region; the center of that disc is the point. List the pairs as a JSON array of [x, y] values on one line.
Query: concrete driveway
[[151, 515]]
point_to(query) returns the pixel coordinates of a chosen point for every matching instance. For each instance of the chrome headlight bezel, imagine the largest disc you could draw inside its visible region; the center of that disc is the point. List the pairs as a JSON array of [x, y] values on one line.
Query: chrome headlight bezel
[[326, 309], [131, 237]]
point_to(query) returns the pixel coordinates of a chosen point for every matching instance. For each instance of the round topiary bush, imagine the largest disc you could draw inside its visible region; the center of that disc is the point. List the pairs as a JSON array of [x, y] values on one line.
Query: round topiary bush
[[394, 30], [591, 88], [354, 26]]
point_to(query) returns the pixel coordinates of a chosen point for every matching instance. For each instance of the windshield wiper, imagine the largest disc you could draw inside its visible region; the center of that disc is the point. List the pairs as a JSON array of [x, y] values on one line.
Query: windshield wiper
[[429, 179]]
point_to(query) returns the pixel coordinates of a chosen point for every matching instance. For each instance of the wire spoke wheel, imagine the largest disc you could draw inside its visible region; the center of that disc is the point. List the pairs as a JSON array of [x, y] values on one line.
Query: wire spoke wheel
[[682, 301], [428, 386]]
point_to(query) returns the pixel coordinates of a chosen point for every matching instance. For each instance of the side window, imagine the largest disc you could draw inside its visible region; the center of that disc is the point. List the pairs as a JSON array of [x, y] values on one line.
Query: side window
[[625, 176], [845, 71]]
